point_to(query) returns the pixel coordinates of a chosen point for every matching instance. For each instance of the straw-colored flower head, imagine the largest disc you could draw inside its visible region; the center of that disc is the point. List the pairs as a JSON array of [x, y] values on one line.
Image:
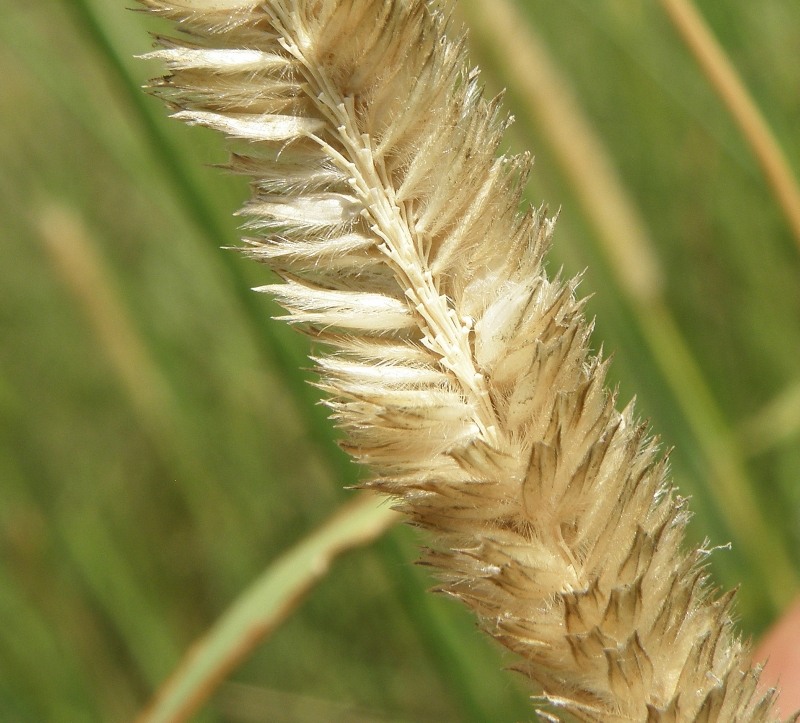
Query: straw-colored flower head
[[460, 373]]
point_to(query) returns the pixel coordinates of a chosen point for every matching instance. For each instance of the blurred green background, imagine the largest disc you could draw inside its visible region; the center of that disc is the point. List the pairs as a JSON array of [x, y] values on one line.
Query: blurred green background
[[158, 444]]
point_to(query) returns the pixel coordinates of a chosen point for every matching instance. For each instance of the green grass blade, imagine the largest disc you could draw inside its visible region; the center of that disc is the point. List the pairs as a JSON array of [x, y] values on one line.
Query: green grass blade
[[265, 605]]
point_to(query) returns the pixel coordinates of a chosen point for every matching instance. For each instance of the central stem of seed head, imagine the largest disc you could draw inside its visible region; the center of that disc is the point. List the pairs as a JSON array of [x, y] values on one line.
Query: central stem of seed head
[[445, 333]]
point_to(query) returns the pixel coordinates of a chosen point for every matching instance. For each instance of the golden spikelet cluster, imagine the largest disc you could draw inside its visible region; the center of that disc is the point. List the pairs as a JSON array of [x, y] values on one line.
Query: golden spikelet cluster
[[460, 372]]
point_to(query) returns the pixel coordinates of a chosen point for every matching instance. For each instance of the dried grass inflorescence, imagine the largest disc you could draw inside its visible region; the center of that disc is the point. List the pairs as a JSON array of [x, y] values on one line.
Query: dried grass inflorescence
[[459, 371]]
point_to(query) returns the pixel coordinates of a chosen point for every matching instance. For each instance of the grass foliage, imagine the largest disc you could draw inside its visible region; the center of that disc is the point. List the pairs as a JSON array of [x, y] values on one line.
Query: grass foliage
[[158, 444]]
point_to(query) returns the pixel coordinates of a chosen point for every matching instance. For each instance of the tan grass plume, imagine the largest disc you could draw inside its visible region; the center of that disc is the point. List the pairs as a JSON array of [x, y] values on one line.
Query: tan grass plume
[[459, 371]]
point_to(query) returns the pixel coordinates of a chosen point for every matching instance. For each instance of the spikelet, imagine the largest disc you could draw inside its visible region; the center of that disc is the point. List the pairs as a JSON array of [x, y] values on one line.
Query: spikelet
[[459, 371]]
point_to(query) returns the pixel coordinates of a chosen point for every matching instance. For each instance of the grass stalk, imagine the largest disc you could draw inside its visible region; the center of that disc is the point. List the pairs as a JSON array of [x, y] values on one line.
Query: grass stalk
[[775, 424], [728, 85], [78, 262], [265, 605]]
